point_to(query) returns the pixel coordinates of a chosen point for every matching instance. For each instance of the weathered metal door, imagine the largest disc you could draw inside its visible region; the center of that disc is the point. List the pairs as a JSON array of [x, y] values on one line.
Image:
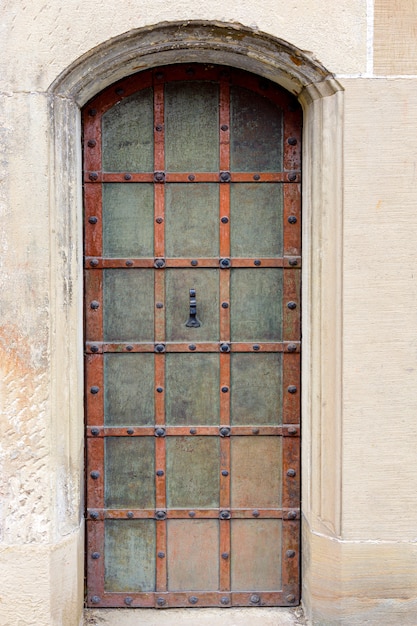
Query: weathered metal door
[[192, 282]]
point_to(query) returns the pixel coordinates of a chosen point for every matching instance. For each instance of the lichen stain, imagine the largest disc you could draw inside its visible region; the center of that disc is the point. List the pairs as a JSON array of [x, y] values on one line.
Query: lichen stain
[[296, 60]]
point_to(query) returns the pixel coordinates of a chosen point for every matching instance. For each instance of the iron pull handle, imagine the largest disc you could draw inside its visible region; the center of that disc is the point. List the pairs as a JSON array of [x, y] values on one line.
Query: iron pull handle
[[193, 321]]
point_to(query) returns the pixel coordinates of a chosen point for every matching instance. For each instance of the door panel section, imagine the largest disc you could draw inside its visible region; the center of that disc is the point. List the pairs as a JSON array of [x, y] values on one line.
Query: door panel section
[[192, 340]]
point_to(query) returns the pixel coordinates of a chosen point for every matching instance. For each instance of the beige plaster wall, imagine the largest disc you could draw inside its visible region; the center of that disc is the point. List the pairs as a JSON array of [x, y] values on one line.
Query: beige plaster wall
[[359, 505]]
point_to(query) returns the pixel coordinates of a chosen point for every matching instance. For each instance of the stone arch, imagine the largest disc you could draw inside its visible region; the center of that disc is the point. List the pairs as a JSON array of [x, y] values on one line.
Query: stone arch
[[322, 99]]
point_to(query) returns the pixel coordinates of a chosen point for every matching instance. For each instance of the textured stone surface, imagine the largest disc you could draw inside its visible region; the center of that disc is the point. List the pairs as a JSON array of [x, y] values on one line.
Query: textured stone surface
[[395, 38]]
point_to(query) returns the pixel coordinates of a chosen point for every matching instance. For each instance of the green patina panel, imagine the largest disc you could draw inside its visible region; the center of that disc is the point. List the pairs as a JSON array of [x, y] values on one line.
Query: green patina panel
[[129, 552], [128, 389], [178, 283], [191, 127], [256, 388], [256, 554], [128, 134], [192, 220], [255, 133], [128, 305], [127, 220], [192, 389], [193, 472], [129, 472], [256, 220], [196, 543], [256, 309], [256, 464]]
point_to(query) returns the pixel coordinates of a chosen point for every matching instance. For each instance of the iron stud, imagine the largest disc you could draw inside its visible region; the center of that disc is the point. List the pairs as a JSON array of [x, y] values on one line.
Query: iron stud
[[192, 347], [159, 432], [292, 515], [95, 555], [94, 305], [224, 127], [224, 220], [191, 177], [96, 599], [194, 262], [159, 220], [191, 513], [292, 219], [161, 602], [292, 177], [193, 599], [225, 264], [160, 515], [130, 431], [128, 600], [158, 128], [290, 554], [161, 555], [94, 262], [225, 389], [193, 431], [93, 176], [224, 515], [257, 262], [159, 263], [256, 347], [292, 430], [225, 177], [292, 305], [291, 473], [290, 598], [129, 348], [128, 177], [225, 555], [160, 347], [119, 91], [256, 177], [94, 515], [224, 431], [292, 141], [225, 600], [224, 347], [159, 389], [160, 472], [130, 514], [225, 305], [292, 389], [159, 177], [95, 474], [91, 143], [159, 305], [225, 473], [92, 112], [129, 263], [93, 219], [255, 599], [293, 262], [255, 513], [95, 432], [255, 431], [94, 349], [292, 347], [94, 389]]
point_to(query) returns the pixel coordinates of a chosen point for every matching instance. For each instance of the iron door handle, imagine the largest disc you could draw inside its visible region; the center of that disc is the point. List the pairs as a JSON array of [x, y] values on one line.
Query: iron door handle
[[193, 321]]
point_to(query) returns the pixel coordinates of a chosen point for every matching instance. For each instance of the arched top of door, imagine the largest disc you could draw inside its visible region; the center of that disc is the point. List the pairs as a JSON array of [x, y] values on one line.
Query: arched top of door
[[195, 42]]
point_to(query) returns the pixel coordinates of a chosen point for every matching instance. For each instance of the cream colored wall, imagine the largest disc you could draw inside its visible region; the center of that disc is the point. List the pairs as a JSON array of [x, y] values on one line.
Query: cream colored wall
[[360, 435]]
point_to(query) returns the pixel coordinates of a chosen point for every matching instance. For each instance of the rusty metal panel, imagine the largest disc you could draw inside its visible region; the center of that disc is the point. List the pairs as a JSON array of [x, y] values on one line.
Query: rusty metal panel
[[196, 544], [192, 389]]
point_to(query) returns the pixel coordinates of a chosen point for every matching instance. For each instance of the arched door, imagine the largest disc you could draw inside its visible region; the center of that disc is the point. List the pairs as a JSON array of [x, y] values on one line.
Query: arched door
[[192, 340]]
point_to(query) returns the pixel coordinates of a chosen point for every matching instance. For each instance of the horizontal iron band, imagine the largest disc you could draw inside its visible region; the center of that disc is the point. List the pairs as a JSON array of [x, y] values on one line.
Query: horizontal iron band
[[96, 514], [98, 347], [291, 176], [287, 430], [290, 262]]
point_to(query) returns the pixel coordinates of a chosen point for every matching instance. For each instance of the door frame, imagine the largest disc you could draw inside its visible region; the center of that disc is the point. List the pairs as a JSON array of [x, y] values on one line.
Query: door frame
[[322, 99]]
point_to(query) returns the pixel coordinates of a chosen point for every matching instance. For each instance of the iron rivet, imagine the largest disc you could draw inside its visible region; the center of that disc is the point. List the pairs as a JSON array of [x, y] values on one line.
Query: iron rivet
[[290, 598], [224, 177], [225, 389], [130, 514], [292, 177], [159, 432], [129, 263], [95, 555], [92, 112], [291, 473], [224, 127], [224, 515], [159, 220], [96, 599], [95, 431], [292, 141], [193, 600], [191, 514], [255, 431], [161, 555], [159, 75], [128, 600], [160, 473], [256, 177], [292, 347], [292, 515], [225, 263], [159, 389], [257, 262], [255, 513], [224, 220], [159, 177], [129, 348], [94, 349], [94, 305], [160, 347], [193, 431], [255, 599], [94, 389], [293, 262], [94, 474], [120, 91], [130, 431], [292, 305], [224, 347], [224, 431], [225, 600], [192, 346], [290, 554], [158, 128], [158, 263], [93, 219], [292, 219], [128, 177], [91, 143], [194, 262], [225, 473], [93, 176], [225, 555], [159, 305], [225, 305], [292, 430], [94, 515], [256, 347], [160, 602], [191, 177], [160, 515], [292, 389], [94, 262]]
